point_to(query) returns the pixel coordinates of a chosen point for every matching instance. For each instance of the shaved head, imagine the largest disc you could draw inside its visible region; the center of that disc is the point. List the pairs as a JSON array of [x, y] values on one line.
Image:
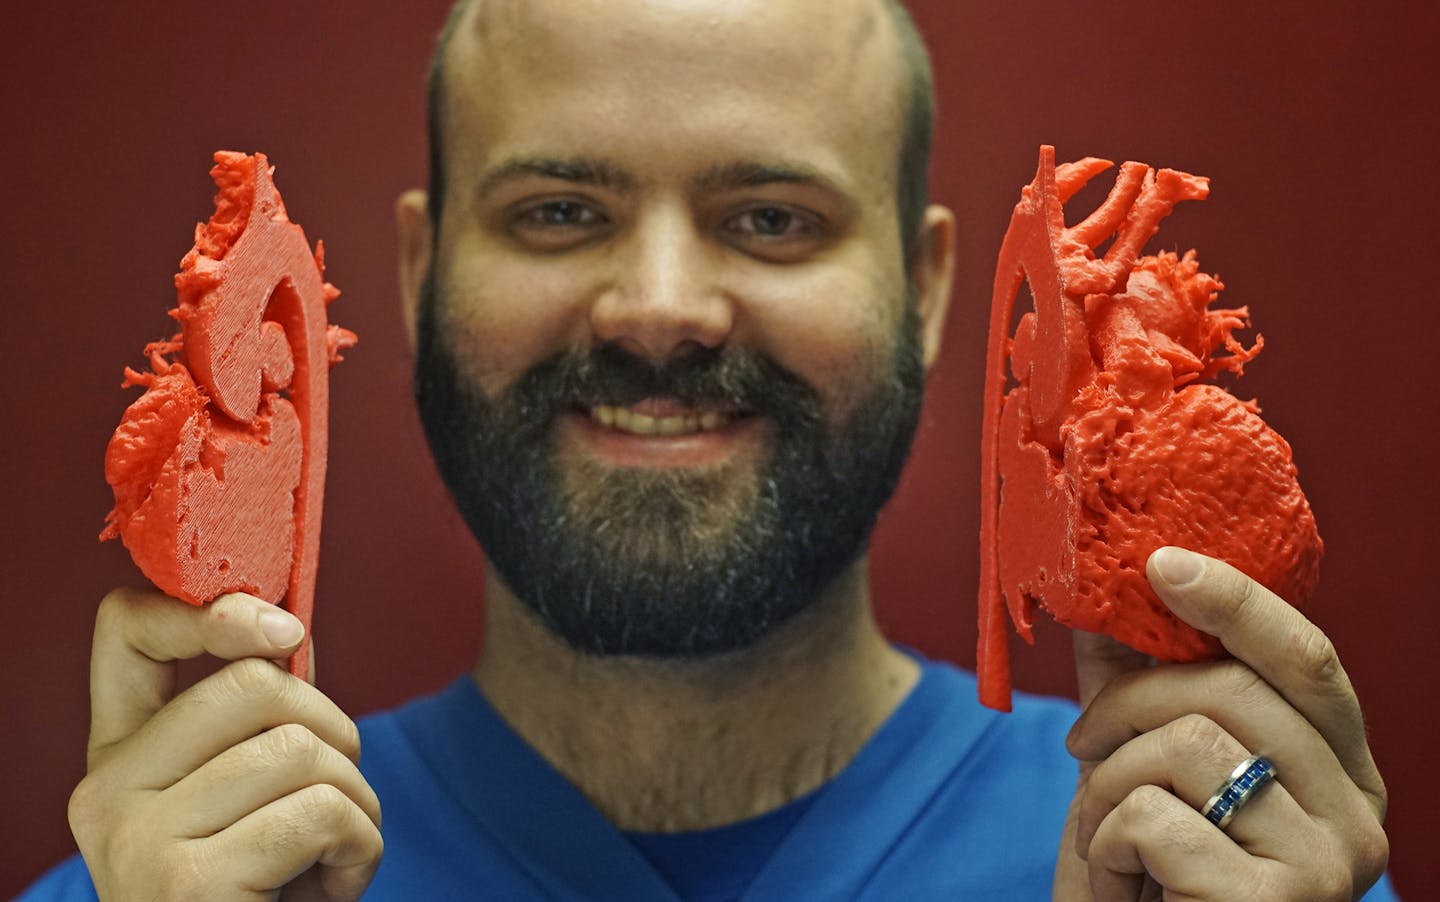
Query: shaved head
[[913, 84]]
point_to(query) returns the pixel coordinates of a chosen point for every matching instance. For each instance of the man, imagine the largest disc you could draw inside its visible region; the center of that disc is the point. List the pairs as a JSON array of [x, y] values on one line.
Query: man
[[672, 293]]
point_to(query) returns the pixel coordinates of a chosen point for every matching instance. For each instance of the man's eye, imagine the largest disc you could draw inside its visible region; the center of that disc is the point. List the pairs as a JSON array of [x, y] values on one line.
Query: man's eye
[[772, 222], [558, 213]]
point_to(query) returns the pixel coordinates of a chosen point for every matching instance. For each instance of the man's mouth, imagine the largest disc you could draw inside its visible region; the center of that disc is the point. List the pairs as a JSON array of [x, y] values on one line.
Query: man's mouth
[[662, 433], [664, 418]]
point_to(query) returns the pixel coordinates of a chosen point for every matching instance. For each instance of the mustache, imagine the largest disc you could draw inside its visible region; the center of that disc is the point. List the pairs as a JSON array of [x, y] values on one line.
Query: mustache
[[737, 380]]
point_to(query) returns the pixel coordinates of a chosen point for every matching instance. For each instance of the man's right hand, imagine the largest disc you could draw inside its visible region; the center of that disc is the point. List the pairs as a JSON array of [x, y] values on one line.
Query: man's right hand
[[239, 787]]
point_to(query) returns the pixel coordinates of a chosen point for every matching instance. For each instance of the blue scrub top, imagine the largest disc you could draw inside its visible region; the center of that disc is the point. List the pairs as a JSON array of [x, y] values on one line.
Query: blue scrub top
[[947, 800]]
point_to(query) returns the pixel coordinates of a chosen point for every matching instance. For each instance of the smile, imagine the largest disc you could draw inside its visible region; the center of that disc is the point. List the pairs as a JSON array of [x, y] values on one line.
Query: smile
[[626, 419]]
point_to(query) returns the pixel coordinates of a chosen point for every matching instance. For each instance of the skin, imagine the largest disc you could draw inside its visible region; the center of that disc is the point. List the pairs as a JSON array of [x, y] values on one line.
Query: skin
[[671, 252], [238, 787], [245, 783], [1156, 742]]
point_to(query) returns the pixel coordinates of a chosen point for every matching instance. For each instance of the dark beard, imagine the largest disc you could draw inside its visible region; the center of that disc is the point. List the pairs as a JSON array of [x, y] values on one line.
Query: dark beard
[[654, 562]]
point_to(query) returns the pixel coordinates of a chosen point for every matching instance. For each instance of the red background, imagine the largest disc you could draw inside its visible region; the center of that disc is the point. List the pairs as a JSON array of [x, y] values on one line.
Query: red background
[[1316, 122]]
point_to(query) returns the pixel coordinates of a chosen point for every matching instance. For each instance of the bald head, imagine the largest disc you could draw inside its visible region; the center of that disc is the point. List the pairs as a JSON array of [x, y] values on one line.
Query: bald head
[[879, 29]]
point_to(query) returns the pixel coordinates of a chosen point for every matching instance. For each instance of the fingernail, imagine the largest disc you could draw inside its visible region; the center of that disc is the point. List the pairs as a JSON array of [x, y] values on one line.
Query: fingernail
[[280, 628], [1177, 566]]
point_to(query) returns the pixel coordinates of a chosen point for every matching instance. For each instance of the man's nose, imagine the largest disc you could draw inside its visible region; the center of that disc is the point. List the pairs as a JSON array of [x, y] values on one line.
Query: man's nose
[[665, 297]]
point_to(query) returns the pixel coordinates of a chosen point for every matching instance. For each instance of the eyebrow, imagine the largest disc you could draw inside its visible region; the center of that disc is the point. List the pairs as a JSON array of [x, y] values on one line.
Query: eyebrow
[[750, 175], [580, 171], [604, 174]]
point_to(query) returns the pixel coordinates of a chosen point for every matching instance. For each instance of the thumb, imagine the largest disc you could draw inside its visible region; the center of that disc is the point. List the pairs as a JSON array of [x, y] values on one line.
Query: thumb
[[1100, 659]]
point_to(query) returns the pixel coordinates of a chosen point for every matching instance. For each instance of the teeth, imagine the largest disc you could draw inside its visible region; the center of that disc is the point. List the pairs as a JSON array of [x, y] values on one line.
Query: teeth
[[627, 420]]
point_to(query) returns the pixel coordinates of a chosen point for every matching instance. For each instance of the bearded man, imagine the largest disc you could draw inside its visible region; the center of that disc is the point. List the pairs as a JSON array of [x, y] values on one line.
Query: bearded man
[[673, 291]]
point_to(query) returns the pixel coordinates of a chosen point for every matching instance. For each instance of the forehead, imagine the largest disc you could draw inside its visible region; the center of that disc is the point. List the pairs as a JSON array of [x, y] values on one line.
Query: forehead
[[679, 80]]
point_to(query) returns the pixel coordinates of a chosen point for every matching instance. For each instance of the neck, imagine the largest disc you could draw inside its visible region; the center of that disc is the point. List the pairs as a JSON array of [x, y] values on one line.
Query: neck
[[668, 746]]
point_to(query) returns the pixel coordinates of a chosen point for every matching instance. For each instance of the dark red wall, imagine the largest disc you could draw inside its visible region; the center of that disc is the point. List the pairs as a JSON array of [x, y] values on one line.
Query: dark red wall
[[1317, 124]]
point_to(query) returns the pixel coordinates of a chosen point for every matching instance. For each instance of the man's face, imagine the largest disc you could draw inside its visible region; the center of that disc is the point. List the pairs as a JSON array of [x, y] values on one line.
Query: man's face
[[666, 359]]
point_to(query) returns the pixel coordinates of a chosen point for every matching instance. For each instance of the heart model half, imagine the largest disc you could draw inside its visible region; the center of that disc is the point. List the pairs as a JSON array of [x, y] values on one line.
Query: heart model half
[[1111, 442], [219, 467]]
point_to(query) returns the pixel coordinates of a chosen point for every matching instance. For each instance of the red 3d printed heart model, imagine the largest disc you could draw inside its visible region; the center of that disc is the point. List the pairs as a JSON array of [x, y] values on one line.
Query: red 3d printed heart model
[[1111, 442], [219, 467]]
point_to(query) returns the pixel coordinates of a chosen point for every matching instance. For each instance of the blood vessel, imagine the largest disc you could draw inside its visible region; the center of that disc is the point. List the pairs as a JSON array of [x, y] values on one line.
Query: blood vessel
[[219, 467], [1112, 440]]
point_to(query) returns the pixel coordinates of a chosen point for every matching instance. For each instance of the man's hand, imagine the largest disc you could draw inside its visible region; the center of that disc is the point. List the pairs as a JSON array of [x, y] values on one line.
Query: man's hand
[[1155, 743], [241, 786]]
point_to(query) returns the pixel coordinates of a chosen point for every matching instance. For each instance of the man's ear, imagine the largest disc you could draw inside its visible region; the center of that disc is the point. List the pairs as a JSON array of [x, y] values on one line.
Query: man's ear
[[412, 219], [932, 270]]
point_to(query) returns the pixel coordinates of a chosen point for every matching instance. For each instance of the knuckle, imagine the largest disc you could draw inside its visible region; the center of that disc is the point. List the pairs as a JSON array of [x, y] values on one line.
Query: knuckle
[[368, 839], [1380, 798], [1372, 854], [351, 871], [1151, 811], [376, 843], [1235, 681], [1143, 804], [321, 813], [87, 809], [1326, 874], [116, 607], [309, 816], [1199, 741], [1232, 597], [324, 805], [1316, 659], [1242, 588], [293, 742], [1331, 880], [254, 679], [348, 743], [1247, 594]]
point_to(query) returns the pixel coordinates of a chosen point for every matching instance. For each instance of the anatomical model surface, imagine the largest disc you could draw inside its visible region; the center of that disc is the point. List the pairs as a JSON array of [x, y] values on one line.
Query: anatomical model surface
[[219, 467], [1111, 441]]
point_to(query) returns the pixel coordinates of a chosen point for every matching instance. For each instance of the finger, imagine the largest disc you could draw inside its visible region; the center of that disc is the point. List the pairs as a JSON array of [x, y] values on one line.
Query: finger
[[258, 771], [1192, 758], [1152, 832], [1232, 695], [140, 633], [1072, 878], [318, 826], [241, 700], [1099, 659], [1286, 650]]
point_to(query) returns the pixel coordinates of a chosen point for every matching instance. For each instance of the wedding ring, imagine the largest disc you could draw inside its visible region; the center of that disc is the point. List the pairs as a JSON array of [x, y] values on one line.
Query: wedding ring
[[1244, 781]]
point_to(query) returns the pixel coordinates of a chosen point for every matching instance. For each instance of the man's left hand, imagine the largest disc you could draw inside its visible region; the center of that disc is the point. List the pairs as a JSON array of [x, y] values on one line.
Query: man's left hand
[[1156, 742]]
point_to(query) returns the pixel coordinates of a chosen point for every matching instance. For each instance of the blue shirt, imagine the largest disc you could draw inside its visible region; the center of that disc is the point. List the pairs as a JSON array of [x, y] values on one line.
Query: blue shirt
[[947, 800]]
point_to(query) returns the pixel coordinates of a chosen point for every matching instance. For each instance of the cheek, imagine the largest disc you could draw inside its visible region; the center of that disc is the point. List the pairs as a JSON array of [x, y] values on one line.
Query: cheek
[[503, 318], [835, 331]]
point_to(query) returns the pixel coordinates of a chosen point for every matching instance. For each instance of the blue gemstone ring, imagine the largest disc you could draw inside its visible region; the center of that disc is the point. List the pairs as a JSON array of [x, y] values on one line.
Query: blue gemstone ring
[[1244, 781]]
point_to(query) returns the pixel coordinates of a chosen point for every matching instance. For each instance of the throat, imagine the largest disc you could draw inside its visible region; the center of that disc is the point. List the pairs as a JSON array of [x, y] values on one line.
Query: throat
[[671, 746], [696, 772]]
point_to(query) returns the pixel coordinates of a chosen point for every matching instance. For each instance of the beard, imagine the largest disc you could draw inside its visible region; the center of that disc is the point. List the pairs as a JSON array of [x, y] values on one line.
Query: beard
[[666, 563]]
